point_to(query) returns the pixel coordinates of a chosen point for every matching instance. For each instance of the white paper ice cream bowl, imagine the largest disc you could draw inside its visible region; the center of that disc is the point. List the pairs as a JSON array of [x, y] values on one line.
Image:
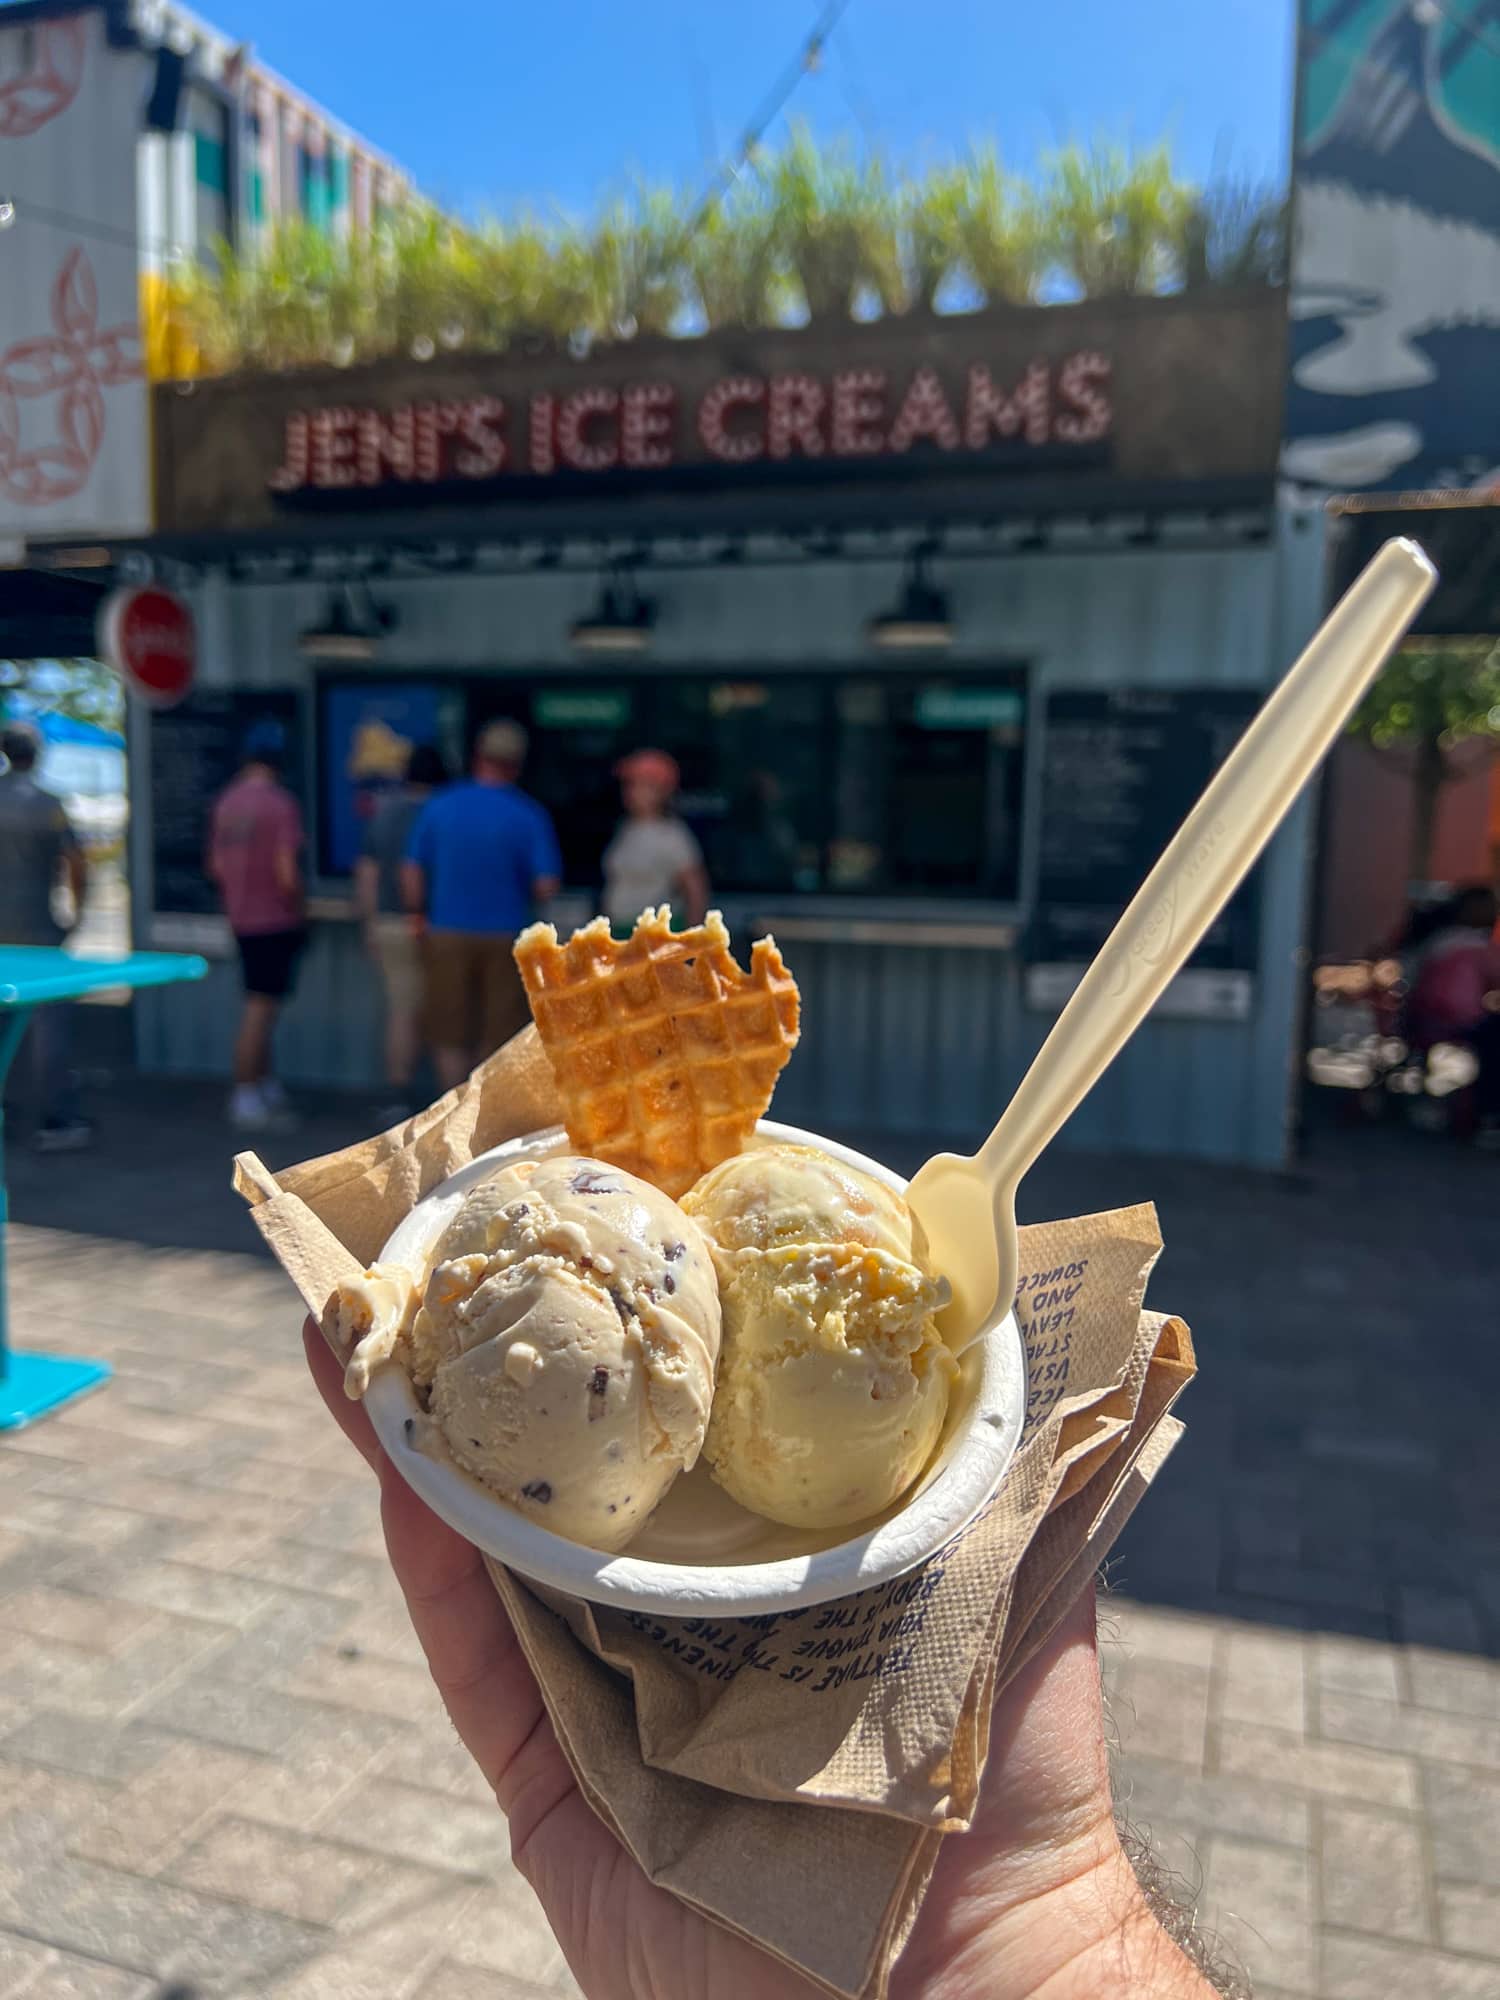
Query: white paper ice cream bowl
[[701, 1554]]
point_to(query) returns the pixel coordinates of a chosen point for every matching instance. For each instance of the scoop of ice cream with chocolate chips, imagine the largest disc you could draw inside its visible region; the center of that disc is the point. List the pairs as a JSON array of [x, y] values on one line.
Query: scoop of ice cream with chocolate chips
[[566, 1344]]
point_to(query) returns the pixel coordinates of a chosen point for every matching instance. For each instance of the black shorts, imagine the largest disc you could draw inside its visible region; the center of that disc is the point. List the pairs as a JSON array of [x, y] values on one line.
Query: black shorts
[[268, 960]]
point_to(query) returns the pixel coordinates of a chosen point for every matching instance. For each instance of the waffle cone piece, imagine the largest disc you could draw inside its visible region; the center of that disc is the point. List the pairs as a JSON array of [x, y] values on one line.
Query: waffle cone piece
[[665, 1052]]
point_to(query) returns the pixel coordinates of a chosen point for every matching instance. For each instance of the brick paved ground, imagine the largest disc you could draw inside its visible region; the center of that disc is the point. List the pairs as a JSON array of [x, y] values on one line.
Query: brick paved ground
[[222, 1770]]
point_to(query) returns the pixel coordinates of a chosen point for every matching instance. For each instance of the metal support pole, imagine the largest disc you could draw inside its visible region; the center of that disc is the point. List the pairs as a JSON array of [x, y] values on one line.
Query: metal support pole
[[13, 1023], [31, 1385]]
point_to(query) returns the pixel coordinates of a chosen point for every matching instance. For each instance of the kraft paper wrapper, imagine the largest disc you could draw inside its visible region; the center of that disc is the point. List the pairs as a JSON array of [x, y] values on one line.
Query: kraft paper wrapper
[[746, 1763]]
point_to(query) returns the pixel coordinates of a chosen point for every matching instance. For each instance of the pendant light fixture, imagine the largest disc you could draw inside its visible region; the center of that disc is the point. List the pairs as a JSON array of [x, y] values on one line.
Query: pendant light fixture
[[351, 628], [621, 622], [919, 621]]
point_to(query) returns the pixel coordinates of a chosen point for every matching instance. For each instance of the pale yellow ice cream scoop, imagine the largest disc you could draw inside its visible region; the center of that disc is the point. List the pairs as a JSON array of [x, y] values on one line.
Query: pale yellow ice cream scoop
[[833, 1380], [565, 1343]]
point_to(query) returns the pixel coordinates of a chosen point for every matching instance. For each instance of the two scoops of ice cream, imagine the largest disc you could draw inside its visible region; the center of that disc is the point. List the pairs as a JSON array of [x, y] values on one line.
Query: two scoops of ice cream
[[592, 1321], [579, 1338]]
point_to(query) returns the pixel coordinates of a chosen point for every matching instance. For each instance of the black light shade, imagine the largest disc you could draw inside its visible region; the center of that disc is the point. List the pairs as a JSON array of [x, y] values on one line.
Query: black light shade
[[348, 631], [621, 623], [919, 622]]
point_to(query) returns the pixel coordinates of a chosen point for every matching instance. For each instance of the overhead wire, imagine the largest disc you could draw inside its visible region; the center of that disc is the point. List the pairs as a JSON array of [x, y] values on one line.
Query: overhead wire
[[809, 55]]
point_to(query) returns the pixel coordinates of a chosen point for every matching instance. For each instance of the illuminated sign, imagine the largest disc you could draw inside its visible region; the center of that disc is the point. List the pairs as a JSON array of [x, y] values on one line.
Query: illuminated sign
[[738, 420]]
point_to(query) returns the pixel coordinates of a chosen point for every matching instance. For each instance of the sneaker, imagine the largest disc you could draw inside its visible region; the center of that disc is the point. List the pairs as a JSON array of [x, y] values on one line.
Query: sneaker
[[273, 1093], [249, 1111], [64, 1135]]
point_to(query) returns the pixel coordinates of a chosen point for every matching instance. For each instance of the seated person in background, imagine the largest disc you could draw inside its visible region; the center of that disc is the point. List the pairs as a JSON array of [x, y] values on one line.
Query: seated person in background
[[653, 857], [1452, 968], [1454, 979]]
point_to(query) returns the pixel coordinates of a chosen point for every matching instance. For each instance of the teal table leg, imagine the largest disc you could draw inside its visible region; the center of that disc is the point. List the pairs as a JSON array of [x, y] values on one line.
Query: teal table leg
[[31, 1385]]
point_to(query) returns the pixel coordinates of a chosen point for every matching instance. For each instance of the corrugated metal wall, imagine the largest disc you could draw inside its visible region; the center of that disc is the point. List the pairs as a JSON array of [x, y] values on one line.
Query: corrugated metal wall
[[912, 1037]]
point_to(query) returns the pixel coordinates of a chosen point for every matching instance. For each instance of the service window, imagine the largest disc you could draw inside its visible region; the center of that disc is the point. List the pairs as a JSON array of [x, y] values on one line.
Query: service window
[[879, 784]]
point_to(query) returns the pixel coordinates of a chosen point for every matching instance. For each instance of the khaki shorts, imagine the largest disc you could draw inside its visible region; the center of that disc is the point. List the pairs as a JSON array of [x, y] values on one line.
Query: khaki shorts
[[399, 956], [474, 995]]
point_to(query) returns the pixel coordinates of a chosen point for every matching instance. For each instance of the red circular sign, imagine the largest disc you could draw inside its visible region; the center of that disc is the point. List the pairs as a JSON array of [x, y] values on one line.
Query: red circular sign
[[147, 636]]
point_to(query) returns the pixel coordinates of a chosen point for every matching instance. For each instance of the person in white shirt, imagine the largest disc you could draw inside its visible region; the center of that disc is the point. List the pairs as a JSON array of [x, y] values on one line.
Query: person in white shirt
[[653, 857]]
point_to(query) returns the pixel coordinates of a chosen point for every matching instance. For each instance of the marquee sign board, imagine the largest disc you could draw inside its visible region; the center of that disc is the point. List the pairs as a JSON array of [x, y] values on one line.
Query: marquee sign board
[[1134, 391]]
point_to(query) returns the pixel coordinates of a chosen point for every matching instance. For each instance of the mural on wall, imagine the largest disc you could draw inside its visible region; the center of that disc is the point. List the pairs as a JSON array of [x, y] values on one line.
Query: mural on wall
[[1395, 293], [48, 83], [65, 373], [73, 412]]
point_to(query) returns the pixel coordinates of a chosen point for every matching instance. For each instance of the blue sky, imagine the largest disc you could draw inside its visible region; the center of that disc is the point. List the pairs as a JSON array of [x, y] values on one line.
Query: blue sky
[[493, 102]]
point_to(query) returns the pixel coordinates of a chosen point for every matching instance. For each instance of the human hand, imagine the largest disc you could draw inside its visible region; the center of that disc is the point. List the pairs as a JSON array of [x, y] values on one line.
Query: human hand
[[1036, 1902]]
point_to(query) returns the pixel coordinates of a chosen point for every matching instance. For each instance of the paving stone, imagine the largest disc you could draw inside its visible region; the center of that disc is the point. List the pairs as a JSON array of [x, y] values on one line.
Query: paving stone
[[1319, 1590], [1463, 1812], [101, 1625], [1258, 1899], [149, 1927], [117, 1689], [1146, 1631], [1439, 1618], [503, 1931], [316, 1881], [372, 1686], [1436, 1734], [1374, 1873], [1360, 1968], [30, 1971], [1439, 1680], [320, 1764], [439, 1765], [191, 1590], [421, 1826], [276, 1645], [300, 1566], [45, 1809], [1160, 1710], [1157, 1796], [152, 1815], [387, 1960], [240, 1716], [469, 1982], [34, 1559], [383, 1628], [269, 1478], [1334, 1770], [1263, 1679], [67, 1742], [1358, 1666], [1469, 1919]]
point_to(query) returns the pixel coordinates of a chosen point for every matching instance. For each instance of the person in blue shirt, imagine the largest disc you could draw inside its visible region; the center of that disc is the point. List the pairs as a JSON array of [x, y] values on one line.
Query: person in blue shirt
[[481, 857]]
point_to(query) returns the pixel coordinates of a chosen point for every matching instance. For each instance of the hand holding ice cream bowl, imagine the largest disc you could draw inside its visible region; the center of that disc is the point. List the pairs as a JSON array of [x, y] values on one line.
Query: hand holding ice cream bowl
[[675, 1357]]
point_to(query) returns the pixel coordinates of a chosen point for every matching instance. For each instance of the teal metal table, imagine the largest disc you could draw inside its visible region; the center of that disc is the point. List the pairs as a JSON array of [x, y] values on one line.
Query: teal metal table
[[32, 976]]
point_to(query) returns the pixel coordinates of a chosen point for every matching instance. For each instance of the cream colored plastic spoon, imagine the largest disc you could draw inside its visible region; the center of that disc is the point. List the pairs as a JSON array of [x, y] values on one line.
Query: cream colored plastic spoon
[[967, 1207]]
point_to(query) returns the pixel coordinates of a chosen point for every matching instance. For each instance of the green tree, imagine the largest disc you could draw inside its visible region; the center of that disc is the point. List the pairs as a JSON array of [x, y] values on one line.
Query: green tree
[[86, 690], [1434, 711]]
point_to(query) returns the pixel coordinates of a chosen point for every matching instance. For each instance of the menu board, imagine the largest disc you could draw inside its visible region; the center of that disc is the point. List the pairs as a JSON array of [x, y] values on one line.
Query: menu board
[[195, 750], [367, 728], [1121, 769]]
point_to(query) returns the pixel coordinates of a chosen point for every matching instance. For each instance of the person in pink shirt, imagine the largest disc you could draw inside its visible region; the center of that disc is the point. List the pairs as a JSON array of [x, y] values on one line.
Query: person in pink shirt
[[255, 857]]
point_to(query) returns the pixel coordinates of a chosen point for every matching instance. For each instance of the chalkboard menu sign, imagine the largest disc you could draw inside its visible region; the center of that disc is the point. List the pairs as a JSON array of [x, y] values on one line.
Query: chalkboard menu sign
[[1121, 768], [196, 748]]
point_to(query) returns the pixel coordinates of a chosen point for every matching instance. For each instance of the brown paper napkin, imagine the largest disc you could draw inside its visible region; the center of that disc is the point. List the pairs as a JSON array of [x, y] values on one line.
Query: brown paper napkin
[[747, 1762]]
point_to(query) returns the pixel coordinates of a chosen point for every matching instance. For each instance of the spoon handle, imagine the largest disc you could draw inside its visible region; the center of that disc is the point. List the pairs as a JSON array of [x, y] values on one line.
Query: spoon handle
[[1212, 851]]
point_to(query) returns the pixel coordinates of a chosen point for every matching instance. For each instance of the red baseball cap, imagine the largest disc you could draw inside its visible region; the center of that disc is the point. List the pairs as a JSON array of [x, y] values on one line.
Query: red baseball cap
[[655, 767]]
